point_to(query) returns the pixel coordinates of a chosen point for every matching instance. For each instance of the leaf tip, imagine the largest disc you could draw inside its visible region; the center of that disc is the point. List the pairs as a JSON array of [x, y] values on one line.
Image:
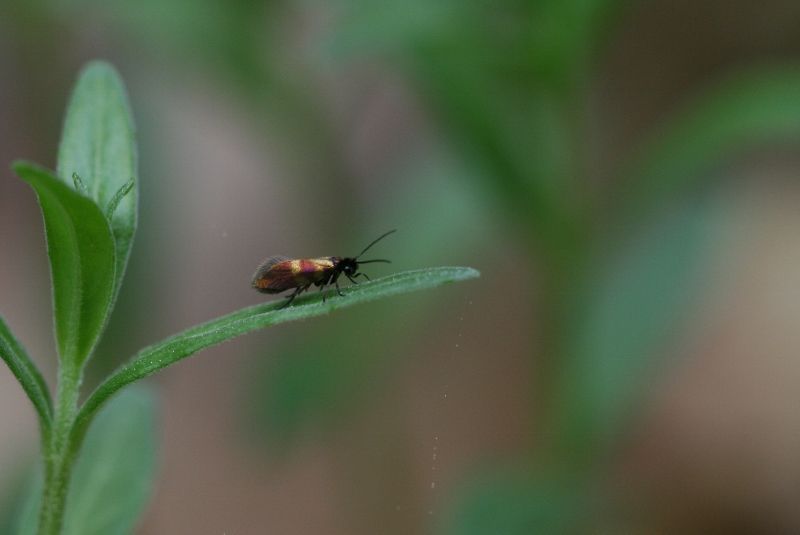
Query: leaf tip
[[457, 274], [19, 166], [25, 169], [98, 73], [98, 67], [470, 273]]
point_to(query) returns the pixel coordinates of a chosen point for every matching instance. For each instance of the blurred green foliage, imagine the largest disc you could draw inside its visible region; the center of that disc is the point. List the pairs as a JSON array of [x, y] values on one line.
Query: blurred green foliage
[[749, 109], [508, 85], [520, 502], [634, 305]]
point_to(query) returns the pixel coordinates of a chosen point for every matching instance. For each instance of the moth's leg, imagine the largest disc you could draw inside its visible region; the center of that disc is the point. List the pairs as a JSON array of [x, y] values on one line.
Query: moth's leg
[[291, 297], [335, 281], [322, 286]]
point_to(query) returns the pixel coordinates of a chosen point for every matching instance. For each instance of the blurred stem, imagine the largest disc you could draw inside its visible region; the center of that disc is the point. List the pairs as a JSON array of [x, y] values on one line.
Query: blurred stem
[[60, 451], [567, 254], [562, 277]]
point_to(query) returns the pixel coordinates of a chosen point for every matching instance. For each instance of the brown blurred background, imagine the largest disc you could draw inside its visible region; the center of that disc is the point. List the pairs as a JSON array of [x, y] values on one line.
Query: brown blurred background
[[308, 128]]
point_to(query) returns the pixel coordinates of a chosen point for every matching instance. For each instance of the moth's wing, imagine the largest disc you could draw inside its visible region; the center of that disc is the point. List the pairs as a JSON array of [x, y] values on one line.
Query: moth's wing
[[273, 275], [264, 266]]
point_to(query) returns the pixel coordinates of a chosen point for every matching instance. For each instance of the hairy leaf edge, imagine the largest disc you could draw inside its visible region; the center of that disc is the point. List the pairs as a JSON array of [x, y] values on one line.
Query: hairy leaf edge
[[167, 352], [28, 375]]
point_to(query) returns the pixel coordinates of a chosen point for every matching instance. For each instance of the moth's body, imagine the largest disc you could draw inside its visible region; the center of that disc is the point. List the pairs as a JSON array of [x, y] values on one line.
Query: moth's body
[[280, 273]]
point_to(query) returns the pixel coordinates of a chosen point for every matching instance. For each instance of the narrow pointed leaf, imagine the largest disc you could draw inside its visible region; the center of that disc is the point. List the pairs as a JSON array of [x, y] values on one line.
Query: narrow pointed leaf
[[117, 198], [28, 375], [80, 186], [194, 339], [81, 251], [98, 145]]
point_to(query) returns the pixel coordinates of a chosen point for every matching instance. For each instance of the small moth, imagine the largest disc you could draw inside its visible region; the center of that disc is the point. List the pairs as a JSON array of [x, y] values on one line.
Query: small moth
[[277, 274]]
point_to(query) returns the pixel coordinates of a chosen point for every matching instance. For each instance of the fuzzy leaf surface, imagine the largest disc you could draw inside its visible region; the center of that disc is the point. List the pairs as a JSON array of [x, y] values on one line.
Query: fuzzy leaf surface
[[98, 144], [28, 375], [81, 252]]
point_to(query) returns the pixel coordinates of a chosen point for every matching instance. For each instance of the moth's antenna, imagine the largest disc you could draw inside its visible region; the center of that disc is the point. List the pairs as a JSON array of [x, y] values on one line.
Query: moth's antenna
[[379, 238]]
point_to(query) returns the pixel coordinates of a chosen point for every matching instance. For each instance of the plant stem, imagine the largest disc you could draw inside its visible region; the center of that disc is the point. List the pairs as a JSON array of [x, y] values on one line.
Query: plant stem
[[59, 452]]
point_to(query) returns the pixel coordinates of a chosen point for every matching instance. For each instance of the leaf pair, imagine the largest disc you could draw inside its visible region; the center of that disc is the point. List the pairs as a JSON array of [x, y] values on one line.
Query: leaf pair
[[89, 231]]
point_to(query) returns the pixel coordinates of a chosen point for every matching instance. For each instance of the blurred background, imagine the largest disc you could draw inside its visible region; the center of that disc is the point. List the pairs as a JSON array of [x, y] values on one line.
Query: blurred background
[[624, 175]]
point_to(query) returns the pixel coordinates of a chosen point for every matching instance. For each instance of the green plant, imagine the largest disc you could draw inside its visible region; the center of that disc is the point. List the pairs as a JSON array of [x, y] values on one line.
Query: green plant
[[619, 248], [90, 208]]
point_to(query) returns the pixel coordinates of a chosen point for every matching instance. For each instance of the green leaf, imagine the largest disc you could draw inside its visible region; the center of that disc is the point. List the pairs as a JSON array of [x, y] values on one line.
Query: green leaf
[[26, 520], [113, 476], [568, 33], [633, 310], [28, 375], [81, 251], [755, 107], [513, 502], [194, 339], [98, 146]]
